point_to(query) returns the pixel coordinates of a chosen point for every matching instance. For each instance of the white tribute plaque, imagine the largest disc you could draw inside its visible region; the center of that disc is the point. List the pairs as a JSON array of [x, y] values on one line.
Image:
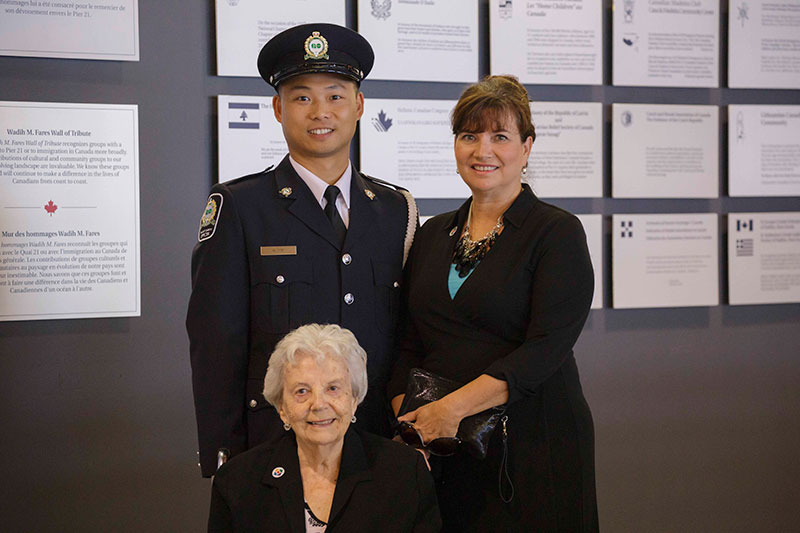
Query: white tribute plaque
[[250, 138], [666, 43], [664, 260], [764, 44], [764, 150], [763, 258], [547, 42], [100, 29], [593, 226], [422, 40], [408, 142], [244, 26], [69, 211], [664, 151], [567, 157]]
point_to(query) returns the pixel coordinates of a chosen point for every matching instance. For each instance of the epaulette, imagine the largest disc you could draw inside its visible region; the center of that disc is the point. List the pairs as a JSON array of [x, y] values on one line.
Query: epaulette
[[249, 176], [382, 182]]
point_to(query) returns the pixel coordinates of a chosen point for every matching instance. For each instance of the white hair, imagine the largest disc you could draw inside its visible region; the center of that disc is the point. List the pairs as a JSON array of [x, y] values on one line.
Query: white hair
[[321, 342]]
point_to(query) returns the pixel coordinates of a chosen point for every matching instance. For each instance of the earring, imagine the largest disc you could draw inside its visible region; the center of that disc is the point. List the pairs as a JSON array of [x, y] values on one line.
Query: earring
[[353, 420], [287, 426], [457, 172], [524, 171]]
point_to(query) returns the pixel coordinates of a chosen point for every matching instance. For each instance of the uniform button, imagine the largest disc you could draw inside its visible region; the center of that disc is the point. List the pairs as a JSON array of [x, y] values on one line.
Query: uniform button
[[346, 259], [280, 279], [396, 284], [349, 298], [253, 403]]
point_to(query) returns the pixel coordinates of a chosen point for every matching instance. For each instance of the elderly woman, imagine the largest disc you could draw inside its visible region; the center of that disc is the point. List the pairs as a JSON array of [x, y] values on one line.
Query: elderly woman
[[497, 293], [322, 475]]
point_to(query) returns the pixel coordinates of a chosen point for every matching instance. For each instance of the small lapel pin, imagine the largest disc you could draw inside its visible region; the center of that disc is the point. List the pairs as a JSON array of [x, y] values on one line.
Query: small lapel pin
[[453, 231], [278, 472], [370, 194], [286, 191]]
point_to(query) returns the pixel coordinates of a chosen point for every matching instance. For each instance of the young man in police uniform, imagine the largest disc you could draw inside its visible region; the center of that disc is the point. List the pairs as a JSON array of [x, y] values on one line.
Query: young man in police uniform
[[311, 240]]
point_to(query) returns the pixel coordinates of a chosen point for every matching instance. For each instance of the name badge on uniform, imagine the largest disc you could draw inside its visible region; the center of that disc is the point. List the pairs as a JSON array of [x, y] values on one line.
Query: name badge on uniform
[[278, 250]]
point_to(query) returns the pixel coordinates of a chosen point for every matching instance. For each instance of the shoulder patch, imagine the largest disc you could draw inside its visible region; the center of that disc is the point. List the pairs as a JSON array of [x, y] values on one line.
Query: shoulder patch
[[208, 222]]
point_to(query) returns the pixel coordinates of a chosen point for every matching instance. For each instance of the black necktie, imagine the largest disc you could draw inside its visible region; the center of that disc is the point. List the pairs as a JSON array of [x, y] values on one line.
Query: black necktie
[[333, 214]]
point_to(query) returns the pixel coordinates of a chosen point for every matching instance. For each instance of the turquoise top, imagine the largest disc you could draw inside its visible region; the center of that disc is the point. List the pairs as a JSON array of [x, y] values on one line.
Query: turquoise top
[[454, 282]]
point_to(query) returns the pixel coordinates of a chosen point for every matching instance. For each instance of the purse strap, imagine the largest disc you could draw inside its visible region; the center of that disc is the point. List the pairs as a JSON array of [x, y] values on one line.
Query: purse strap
[[503, 473]]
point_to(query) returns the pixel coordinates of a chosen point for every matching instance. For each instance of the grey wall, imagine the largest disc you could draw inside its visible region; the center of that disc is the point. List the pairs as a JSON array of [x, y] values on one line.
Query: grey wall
[[697, 411]]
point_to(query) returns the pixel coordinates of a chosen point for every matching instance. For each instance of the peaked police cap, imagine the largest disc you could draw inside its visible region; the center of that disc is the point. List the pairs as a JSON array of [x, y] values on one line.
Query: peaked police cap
[[318, 48]]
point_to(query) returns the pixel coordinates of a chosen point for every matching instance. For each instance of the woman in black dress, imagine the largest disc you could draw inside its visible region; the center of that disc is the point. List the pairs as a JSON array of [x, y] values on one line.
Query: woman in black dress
[[497, 293]]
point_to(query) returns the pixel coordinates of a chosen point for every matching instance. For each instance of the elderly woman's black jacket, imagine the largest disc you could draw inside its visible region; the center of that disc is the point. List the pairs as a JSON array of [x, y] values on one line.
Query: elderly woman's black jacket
[[382, 486]]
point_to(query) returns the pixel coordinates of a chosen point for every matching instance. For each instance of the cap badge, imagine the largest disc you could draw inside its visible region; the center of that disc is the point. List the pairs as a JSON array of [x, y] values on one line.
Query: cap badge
[[370, 194], [286, 191], [316, 47], [278, 471]]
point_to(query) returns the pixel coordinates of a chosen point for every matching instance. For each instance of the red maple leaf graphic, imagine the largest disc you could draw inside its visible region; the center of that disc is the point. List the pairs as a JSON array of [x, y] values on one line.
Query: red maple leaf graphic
[[50, 207]]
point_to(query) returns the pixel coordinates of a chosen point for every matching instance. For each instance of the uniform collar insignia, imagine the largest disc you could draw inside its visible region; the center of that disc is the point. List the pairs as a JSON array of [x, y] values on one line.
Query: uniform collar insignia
[[370, 194], [285, 192]]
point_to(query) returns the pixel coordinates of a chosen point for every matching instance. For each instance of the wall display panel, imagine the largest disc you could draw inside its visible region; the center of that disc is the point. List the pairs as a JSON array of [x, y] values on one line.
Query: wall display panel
[[434, 40], [244, 26], [763, 258], [100, 29], [764, 150], [69, 191], [664, 260], [547, 42], [593, 226], [250, 138], [408, 142], [664, 151], [764, 44], [567, 157], [666, 43]]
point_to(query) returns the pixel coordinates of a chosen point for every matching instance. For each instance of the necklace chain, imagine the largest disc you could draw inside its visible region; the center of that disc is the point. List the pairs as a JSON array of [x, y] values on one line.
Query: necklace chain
[[468, 252]]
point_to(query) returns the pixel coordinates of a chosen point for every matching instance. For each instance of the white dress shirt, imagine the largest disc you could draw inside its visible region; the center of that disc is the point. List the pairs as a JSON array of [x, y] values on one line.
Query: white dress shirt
[[318, 186]]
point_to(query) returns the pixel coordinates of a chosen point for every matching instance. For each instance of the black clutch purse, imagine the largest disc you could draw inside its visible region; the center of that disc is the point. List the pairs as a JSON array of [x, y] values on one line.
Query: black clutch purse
[[474, 431]]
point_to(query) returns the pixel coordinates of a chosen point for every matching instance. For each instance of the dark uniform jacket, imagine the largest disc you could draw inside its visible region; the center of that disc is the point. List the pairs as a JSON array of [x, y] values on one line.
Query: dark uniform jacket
[[382, 486], [268, 262]]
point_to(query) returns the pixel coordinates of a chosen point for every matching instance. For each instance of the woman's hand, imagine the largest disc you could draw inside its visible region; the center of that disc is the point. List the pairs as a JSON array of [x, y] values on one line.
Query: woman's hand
[[433, 420]]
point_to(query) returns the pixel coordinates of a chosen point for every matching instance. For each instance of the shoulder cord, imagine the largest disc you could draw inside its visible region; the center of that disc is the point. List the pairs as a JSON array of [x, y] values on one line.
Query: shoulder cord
[[413, 222], [413, 214]]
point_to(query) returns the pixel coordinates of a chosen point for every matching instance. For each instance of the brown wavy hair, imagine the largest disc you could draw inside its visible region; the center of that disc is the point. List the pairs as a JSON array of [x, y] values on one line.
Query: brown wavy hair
[[485, 106]]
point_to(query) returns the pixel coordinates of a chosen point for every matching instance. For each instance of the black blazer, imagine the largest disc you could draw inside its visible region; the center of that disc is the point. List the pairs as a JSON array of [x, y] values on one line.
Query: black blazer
[[516, 318], [517, 315], [244, 300], [382, 486]]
